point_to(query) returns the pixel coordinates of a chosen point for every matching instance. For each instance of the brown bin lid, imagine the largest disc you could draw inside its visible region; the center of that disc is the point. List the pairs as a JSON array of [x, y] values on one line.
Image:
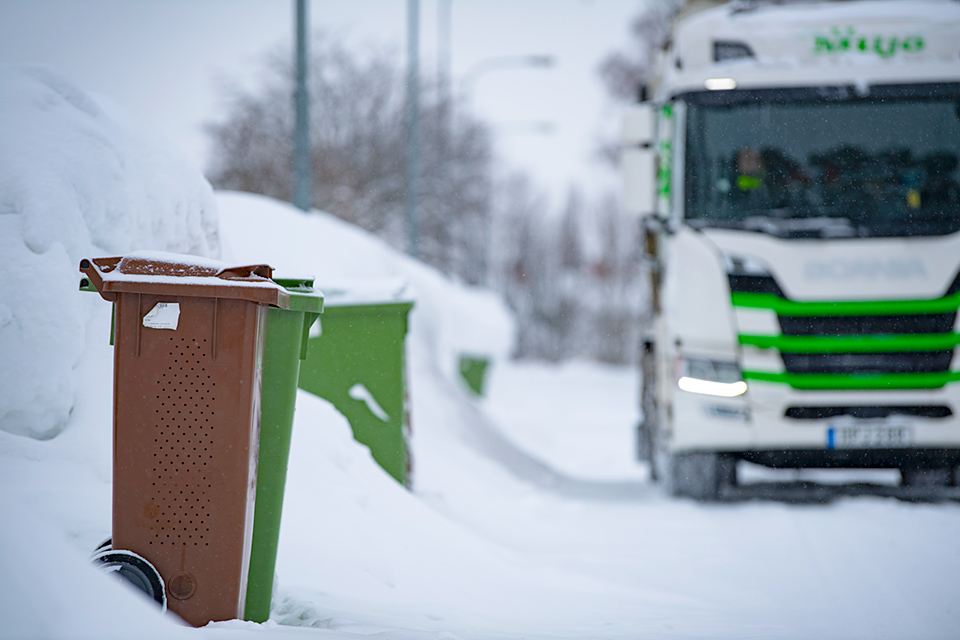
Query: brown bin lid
[[158, 273]]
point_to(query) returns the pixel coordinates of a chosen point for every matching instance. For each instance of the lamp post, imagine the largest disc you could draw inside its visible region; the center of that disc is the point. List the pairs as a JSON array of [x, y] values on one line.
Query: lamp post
[[413, 127], [302, 195], [532, 127], [501, 62]]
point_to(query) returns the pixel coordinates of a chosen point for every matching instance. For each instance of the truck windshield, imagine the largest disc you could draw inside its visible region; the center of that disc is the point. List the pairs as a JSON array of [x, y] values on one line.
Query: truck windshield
[[825, 162]]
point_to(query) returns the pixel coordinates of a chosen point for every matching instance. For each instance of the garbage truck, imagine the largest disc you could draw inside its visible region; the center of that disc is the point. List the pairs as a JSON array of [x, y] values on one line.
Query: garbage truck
[[795, 168]]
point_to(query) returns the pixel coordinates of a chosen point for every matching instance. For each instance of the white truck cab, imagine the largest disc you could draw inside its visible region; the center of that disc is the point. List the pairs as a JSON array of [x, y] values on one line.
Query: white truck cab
[[797, 163]]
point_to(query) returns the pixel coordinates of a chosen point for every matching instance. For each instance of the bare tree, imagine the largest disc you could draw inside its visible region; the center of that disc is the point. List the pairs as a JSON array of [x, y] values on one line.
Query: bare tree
[[571, 278], [358, 152], [623, 72]]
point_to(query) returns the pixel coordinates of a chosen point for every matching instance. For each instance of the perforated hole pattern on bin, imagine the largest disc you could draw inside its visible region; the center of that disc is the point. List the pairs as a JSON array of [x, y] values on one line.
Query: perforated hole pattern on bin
[[184, 444]]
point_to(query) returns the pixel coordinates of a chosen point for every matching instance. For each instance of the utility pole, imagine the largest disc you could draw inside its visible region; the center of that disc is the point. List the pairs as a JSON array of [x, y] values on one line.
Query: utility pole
[[443, 50], [445, 177], [413, 126], [302, 191]]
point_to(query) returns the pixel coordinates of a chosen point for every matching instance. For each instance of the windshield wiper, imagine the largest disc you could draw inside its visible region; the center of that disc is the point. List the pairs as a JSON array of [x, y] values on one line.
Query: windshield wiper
[[822, 226], [781, 226]]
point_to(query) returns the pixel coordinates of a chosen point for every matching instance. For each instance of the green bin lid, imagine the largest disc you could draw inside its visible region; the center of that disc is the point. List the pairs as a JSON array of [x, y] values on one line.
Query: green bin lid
[[303, 297], [368, 293]]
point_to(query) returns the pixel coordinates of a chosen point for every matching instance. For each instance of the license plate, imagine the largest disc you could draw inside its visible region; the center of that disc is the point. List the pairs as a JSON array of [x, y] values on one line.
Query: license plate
[[869, 436]]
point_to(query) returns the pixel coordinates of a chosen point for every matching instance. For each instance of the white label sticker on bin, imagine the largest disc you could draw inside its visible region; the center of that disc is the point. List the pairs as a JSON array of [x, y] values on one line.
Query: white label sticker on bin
[[164, 315]]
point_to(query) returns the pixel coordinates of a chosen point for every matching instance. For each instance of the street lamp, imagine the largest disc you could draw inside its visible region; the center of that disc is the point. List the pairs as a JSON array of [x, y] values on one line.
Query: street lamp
[[501, 62], [302, 192], [533, 127]]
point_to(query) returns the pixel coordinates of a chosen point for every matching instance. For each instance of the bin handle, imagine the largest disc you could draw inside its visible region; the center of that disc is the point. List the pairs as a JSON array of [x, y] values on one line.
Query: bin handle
[[94, 276], [246, 272]]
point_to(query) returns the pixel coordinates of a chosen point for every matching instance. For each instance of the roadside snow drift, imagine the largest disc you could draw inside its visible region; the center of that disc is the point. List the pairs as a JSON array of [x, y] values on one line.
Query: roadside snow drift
[[77, 178], [447, 319]]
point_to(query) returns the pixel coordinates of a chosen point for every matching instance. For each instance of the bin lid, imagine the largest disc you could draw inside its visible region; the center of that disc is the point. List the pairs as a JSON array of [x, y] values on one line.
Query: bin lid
[[303, 297], [160, 273], [367, 292]]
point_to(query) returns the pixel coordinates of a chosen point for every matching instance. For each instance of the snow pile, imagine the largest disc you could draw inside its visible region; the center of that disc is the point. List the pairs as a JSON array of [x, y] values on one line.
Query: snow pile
[[78, 601], [78, 179], [447, 319]]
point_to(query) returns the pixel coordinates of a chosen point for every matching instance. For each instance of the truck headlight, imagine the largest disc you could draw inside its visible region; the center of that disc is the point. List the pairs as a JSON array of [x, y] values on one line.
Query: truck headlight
[[744, 265], [711, 377]]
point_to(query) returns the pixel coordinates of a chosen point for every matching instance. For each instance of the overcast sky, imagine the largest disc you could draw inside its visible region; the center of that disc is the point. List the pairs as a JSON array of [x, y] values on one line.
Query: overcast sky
[[161, 60]]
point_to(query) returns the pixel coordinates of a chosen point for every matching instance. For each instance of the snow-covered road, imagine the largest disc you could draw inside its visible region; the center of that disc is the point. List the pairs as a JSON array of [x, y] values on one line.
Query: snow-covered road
[[848, 567]]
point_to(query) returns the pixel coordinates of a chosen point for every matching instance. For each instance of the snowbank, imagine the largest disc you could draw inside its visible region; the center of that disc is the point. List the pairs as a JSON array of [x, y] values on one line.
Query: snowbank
[[76, 601], [448, 319], [78, 178]]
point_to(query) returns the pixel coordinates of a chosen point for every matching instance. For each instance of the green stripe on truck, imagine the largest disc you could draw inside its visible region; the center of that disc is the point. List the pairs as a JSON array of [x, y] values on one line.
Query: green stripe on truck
[[881, 343], [785, 307], [861, 381]]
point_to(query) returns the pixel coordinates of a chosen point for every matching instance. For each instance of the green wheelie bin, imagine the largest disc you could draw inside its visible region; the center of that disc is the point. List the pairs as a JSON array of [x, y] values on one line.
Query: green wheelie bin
[[285, 348], [358, 365], [473, 370]]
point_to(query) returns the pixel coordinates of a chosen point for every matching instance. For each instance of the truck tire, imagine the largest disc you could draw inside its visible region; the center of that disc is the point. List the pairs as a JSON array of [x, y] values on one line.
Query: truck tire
[[701, 476], [644, 443], [647, 429]]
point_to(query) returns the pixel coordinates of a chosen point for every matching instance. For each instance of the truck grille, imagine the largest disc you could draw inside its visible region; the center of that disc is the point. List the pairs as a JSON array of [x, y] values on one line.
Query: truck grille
[[893, 362], [848, 345], [867, 363], [866, 325]]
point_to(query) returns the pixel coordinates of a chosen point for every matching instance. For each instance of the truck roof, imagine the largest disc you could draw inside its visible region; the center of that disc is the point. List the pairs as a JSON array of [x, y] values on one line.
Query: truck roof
[[761, 43]]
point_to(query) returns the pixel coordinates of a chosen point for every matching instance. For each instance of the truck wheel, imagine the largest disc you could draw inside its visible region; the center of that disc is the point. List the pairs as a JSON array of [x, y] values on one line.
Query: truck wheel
[[701, 476], [644, 443], [660, 458], [134, 569]]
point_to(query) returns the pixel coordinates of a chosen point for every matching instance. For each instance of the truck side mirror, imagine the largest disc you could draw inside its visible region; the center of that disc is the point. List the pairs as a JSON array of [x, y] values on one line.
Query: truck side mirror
[[638, 160]]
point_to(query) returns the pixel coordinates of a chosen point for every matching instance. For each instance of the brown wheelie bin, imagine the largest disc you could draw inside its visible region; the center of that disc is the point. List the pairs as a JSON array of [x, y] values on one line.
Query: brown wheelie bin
[[188, 348]]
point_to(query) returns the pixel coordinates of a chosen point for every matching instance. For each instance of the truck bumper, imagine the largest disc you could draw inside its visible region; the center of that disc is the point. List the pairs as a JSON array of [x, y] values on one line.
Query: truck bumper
[[776, 425]]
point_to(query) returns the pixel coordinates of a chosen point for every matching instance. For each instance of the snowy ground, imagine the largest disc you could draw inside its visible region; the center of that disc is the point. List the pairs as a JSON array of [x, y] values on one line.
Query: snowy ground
[[528, 518], [504, 547]]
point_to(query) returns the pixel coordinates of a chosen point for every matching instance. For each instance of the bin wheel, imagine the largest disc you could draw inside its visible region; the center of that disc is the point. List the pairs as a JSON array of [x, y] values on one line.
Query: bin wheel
[[106, 545], [134, 569]]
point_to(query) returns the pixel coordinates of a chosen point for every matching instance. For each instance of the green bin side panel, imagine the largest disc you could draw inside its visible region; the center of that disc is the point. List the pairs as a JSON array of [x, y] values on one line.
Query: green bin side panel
[[281, 366], [362, 348], [473, 370]]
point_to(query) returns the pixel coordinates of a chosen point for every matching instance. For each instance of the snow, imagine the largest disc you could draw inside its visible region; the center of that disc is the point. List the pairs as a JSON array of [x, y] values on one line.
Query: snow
[[542, 408], [346, 292], [527, 518], [446, 319], [145, 262], [77, 179]]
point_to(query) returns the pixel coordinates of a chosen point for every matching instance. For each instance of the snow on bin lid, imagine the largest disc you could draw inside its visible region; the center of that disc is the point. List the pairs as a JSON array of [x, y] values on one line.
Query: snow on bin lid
[[160, 273], [364, 292]]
